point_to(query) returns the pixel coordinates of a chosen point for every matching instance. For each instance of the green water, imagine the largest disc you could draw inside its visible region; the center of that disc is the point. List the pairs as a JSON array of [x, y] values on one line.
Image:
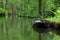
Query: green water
[[16, 28]]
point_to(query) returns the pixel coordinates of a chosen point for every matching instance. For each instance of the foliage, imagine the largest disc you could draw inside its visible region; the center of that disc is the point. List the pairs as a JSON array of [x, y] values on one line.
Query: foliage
[[25, 7], [2, 11], [56, 18], [48, 5], [24, 31], [47, 8], [57, 12]]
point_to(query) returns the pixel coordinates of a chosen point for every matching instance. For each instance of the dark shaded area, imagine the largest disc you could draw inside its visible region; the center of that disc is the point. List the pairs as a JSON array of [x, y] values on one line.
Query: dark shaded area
[[58, 29], [22, 16], [40, 26], [2, 14], [27, 16], [44, 26], [49, 13], [40, 4], [9, 14]]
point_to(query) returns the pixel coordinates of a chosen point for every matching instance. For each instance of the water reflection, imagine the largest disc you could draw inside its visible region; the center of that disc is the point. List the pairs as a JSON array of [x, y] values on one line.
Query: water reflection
[[16, 28]]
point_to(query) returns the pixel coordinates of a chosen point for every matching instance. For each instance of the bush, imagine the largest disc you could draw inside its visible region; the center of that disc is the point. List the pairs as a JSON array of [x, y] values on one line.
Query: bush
[[2, 11]]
